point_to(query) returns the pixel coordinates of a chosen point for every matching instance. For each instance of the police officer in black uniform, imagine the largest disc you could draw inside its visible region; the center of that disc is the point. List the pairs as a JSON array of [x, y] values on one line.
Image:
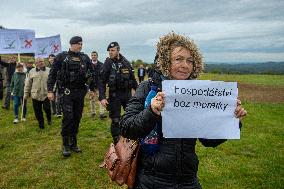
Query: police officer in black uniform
[[71, 70], [118, 74]]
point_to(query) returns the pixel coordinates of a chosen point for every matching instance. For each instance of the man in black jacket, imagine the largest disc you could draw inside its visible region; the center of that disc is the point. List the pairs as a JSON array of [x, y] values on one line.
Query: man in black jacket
[[71, 70], [97, 66], [53, 103], [118, 74], [141, 72], [56, 105], [10, 67]]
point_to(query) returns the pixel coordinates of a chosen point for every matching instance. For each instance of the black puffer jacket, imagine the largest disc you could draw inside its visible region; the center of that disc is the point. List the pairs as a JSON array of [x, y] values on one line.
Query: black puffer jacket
[[175, 165]]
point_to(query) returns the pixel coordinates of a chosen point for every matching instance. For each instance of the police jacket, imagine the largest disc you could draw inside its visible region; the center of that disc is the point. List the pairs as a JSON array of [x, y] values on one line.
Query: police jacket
[[176, 160], [71, 70], [118, 75]]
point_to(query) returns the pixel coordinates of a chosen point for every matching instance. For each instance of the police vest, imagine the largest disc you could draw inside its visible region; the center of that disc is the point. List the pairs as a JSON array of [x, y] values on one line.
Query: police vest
[[119, 77], [74, 69]]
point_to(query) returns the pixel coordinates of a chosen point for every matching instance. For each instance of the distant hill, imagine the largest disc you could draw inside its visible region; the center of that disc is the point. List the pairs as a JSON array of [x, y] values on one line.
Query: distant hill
[[246, 68]]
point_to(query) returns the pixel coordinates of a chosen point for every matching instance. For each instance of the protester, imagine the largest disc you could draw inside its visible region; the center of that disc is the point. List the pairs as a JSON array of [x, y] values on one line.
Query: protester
[[97, 66], [118, 74], [28, 66], [51, 58], [55, 104], [163, 162], [141, 73], [17, 91], [10, 69], [71, 70], [36, 84]]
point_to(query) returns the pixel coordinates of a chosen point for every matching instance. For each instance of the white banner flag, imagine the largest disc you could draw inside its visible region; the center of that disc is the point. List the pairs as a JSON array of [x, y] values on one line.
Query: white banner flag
[[200, 109], [13, 41], [48, 45]]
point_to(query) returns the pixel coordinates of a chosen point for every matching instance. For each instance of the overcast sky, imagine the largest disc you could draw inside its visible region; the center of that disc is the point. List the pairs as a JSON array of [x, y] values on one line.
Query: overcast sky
[[225, 31]]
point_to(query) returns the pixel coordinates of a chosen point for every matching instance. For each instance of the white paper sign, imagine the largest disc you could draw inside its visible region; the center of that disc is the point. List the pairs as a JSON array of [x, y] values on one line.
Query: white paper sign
[[48, 45], [200, 109], [13, 41]]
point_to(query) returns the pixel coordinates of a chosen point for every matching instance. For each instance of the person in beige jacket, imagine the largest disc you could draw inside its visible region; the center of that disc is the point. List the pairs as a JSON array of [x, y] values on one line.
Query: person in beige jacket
[[36, 84]]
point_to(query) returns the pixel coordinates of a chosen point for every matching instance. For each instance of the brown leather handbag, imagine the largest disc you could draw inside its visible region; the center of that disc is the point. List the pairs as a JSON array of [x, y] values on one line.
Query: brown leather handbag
[[121, 161]]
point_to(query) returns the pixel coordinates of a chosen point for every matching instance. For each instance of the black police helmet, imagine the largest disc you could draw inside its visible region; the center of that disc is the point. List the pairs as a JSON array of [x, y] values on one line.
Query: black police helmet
[[113, 44]]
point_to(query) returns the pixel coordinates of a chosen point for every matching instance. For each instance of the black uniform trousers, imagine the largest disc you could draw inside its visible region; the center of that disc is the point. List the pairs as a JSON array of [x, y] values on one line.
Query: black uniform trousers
[[117, 99], [38, 105], [73, 105]]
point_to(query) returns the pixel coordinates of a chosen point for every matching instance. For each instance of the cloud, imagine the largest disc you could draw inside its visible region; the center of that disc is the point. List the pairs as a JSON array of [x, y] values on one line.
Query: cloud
[[238, 29], [161, 11]]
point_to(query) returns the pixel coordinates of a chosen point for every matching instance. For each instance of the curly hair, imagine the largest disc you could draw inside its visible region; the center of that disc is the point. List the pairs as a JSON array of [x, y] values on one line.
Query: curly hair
[[165, 47]]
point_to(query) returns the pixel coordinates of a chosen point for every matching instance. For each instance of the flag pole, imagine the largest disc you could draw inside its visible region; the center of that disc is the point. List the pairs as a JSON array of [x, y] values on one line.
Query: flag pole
[[19, 57], [22, 112]]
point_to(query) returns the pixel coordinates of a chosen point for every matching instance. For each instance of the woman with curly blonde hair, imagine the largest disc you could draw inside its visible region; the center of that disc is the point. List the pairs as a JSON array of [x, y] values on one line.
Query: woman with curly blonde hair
[[166, 162]]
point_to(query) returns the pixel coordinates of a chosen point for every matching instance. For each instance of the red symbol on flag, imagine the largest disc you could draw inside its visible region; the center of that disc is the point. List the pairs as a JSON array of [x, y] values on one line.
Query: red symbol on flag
[[55, 48], [28, 43]]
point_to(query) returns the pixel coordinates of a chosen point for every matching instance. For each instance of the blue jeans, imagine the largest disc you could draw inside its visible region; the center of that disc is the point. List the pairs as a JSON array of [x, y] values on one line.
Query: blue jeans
[[17, 103]]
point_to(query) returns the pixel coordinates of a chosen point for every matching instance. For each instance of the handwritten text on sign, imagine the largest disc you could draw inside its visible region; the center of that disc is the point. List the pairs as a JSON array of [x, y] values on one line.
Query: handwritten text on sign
[[200, 109]]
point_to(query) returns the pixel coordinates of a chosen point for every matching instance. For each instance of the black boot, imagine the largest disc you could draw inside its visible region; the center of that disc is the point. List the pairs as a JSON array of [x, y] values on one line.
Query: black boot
[[73, 145], [41, 125], [66, 147]]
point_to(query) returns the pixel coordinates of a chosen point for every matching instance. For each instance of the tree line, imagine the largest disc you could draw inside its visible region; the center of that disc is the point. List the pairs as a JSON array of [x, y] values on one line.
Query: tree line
[[271, 68]]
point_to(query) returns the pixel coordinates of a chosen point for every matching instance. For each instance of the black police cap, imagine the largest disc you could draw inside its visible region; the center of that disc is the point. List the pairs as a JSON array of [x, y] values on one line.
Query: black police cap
[[112, 44], [75, 40]]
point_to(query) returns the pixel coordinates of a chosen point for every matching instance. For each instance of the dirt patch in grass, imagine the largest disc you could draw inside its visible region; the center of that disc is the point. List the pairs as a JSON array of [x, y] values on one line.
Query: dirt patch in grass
[[260, 93]]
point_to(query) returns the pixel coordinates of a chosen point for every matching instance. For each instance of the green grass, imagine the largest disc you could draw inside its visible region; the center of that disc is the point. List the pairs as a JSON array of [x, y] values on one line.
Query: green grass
[[255, 161], [31, 158], [268, 80]]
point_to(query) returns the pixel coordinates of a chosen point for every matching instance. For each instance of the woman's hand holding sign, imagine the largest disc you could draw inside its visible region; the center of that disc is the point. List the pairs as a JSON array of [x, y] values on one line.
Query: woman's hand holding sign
[[158, 103], [240, 112]]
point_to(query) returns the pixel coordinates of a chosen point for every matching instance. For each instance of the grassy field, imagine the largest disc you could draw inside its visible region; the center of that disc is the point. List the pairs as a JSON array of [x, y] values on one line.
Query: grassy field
[[267, 80], [31, 158]]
